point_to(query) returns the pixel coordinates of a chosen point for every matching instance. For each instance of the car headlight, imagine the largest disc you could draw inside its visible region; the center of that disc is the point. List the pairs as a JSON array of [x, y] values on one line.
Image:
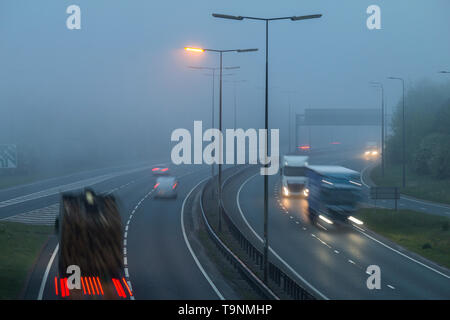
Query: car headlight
[[367, 153], [306, 192], [374, 153], [285, 191]]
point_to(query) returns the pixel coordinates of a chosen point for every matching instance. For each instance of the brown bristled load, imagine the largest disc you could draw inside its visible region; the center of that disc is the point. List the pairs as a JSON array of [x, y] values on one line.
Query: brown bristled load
[[91, 237]]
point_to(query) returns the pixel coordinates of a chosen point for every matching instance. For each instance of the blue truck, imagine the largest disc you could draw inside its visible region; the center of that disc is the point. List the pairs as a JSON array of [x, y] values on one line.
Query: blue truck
[[334, 193]]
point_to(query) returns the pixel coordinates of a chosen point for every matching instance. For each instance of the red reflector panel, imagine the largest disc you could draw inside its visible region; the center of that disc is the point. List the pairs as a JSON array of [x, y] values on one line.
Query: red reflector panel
[[100, 285], [128, 288], [56, 285], [63, 292]]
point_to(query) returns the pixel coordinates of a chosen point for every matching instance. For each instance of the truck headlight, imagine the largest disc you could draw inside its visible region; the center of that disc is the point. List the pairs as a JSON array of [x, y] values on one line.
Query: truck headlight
[[325, 219], [306, 192], [354, 220]]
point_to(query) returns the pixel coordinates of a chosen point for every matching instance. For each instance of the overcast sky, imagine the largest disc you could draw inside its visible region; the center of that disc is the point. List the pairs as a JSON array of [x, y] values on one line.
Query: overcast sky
[[126, 67]]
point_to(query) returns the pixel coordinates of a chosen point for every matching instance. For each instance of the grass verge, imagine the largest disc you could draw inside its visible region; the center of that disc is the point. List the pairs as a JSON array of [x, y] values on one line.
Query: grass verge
[[418, 186], [425, 234], [19, 247]]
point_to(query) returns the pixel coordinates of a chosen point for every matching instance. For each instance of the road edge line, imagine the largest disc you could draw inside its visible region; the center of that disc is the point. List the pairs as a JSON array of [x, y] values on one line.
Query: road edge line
[[47, 271], [221, 297]]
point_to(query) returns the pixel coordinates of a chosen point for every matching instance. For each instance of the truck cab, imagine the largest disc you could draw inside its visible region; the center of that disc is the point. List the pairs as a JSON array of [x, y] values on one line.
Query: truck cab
[[293, 176], [335, 193]]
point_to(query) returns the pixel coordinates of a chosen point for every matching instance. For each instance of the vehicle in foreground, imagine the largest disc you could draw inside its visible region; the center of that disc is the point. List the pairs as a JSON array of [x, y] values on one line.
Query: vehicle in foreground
[[334, 193], [293, 176], [90, 234], [166, 187]]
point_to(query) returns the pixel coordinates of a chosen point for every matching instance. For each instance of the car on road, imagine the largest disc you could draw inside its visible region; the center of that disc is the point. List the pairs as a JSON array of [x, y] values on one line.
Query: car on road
[[160, 171], [371, 151], [166, 187]]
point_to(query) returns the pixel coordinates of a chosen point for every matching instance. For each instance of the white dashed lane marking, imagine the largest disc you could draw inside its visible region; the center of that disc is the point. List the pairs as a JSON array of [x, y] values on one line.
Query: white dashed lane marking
[[125, 235]]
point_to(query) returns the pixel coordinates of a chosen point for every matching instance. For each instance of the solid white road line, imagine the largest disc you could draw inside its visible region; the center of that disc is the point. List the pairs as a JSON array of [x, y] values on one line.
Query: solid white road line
[[404, 255], [221, 297], [406, 198], [47, 270], [270, 248]]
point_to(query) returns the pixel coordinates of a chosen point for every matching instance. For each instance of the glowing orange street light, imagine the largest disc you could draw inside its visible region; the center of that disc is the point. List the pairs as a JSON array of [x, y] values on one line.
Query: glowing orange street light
[[194, 49]]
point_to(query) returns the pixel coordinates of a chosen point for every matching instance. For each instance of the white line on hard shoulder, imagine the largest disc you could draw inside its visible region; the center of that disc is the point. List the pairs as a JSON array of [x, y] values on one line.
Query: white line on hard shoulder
[[47, 270], [404, 255]]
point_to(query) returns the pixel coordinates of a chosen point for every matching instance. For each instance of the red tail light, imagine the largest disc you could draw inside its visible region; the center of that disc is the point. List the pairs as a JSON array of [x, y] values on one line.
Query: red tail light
[[155, 169], [165, 169], [174, 186], [156, 186]]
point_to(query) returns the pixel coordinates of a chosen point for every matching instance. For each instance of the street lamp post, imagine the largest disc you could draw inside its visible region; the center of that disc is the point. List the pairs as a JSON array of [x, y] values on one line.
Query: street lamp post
[[266, 121], [221, 52], [289, 92], [380, 85], [213, 69], [235, 82], [403, 131]]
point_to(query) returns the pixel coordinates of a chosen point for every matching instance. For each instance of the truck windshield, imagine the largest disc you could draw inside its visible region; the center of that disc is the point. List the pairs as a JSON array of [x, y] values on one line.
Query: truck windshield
[[294, 171], [340, 197]]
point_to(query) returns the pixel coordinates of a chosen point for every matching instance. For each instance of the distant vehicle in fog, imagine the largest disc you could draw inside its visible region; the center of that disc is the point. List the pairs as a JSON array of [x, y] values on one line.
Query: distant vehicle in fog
[[166, 187], [334, 193], [293, 176], [159, 171], [371, 151]]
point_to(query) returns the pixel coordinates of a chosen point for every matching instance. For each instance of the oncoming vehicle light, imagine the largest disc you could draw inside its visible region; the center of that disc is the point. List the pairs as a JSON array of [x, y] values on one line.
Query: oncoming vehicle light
[[374, 153], [354, 220], [306, 192], [325, 219], [285, 191]]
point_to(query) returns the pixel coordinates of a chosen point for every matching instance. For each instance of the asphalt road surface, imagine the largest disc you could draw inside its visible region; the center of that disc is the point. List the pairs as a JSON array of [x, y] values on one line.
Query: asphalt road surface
[[331, 261], [158, 262]]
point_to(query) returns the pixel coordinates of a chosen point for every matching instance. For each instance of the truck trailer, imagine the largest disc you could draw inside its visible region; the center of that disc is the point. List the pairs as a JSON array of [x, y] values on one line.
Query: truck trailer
[[334, 194]]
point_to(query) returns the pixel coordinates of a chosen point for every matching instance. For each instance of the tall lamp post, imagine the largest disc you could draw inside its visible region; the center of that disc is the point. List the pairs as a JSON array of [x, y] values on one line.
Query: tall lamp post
[[380, 85], [221, 52], [213, 69], [289, 92], [403, 131], [235, 82], [266, 178]]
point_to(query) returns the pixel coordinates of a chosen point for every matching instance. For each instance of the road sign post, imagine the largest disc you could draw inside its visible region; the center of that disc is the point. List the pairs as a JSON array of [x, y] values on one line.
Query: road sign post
[[385, 193]]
